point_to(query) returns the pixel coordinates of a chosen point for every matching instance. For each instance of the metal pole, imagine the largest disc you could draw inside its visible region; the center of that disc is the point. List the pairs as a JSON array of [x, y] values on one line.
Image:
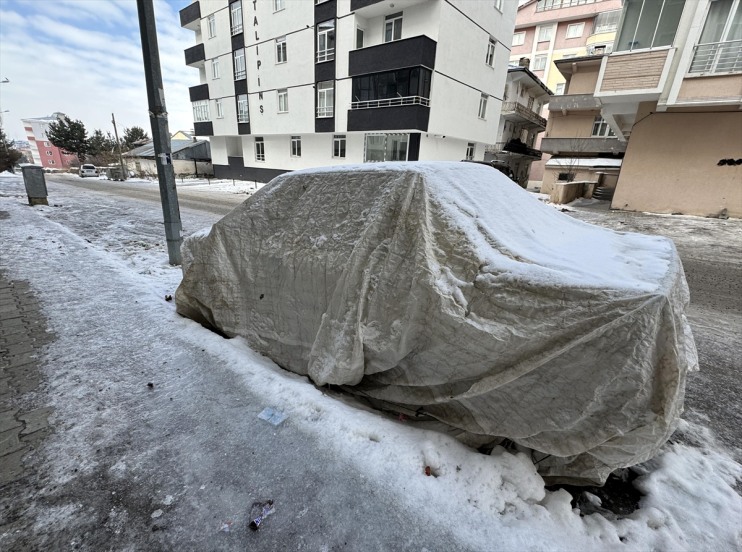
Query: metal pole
[[124, 171], [160, 131]]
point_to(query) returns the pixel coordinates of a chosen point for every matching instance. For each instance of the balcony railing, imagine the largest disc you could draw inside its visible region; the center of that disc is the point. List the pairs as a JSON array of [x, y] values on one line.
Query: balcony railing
[[717, 57], [325, 111], [544, 5], [325, 55], [523, 111], [391, 102]]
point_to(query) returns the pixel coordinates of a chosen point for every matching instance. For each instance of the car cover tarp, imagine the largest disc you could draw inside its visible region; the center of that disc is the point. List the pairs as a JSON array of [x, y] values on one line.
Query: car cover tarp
[[447, 290]]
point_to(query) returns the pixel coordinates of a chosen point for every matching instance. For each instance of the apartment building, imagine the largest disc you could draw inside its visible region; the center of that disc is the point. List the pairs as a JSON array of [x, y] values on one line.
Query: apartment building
[[289, 84], [43, 151], [520, 122]]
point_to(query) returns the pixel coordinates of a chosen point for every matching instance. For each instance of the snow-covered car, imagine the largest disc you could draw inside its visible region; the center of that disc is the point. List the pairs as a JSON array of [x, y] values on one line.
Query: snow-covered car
[[446, 291], [88, 170]]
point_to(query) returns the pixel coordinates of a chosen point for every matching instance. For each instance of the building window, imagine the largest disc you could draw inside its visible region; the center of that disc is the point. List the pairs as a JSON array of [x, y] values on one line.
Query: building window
[[359, 38], [469, 151], [281, 56], [545, 32], [215, 68], [47, 144], [393, 27], [235, 16], [539, 63], [606, 22], [219, 109], [490, 57], [211, 25], [519, 39], [386, 147], [401, 87], [601, 128], [649, 24], [575, 30], [559, 89], [51, 161], [296, 146], [243, 113], [338, 145], [279, 5], [239, 64], [201, 111], [283, 100], [483, 106], [259, 149], [719, 48], [326, 41], [48, 152], [325, 98]]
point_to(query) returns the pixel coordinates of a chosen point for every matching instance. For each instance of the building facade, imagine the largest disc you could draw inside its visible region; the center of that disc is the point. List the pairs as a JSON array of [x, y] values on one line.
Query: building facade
[[289, 84], [43, 151]]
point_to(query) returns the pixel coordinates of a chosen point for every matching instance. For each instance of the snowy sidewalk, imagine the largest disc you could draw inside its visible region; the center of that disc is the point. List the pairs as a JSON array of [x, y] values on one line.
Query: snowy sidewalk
[[177, 464]]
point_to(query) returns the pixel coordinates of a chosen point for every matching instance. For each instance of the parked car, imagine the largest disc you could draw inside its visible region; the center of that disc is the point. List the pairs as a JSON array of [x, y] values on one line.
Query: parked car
[[88, 170]]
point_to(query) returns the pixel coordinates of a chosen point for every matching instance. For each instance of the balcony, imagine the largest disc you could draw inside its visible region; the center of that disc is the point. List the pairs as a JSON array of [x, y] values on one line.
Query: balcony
[[519, 113], [409, 52], [717, 57], [407, 113], [205, 128], [190, 16], [583, 146], [513, 147], [574, 102], [374, 8], [198, 93], [195, 56]]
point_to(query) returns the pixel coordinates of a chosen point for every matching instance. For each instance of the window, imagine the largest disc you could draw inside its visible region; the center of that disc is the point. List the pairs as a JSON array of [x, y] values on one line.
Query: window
[[211, 25], [201, 111], [219, 109], [601, 128], [279, 5], [559, 89], [483, 106], [338, 145], [215, 68], [359, 38], [259, 149], [649, 24], [490, 58], [48, 152], [235, 16], [719, 48], [325, 98], [283, 100], [469, 151], [47, 144], [51, 161], [606, 22], [243, 114], [393, 27], [281, 50], [239, 64], [386, 147], [545, 32], [539, 63], [519, 39], [326, 41], [296, 146], [401, 87], [575, 30]]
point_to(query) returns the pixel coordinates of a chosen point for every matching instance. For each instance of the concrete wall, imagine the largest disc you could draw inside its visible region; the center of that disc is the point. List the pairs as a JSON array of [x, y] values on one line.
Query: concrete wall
[[584, 81], [551, 175], [711, 88], [574, 125], [671, 165]]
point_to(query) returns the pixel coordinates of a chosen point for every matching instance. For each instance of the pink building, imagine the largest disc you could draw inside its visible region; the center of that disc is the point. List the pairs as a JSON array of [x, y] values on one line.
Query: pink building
[[44, 152]]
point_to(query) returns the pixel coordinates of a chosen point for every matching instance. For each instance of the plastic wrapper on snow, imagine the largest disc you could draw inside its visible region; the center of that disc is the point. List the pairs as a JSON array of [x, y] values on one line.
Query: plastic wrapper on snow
[[445, 289]]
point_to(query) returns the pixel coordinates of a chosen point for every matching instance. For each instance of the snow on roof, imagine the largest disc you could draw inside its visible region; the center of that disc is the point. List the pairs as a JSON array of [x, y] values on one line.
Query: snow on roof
[[591, 162], [148, 149]]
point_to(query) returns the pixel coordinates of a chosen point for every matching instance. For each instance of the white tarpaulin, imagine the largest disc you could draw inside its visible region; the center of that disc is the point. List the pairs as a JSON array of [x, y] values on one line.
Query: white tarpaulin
[[446, 289]]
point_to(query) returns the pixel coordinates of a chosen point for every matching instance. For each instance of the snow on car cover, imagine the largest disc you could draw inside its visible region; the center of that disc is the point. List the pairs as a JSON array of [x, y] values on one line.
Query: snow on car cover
[[445, 289]]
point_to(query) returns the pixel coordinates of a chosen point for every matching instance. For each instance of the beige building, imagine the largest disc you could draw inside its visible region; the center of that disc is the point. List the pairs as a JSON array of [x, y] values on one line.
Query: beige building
[[671, 92]]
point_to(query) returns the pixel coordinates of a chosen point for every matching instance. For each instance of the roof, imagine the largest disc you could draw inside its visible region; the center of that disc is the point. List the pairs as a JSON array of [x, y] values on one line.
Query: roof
[[534, 78], [148, 149]]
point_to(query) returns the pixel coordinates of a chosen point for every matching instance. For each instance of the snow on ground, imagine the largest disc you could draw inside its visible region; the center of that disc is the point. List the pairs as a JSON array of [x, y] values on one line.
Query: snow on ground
[[488, 502]]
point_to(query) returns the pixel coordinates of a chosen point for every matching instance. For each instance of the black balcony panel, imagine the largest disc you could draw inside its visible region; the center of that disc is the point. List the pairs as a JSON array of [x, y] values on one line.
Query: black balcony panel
[[195, 55], [410, 52], [238, 41], [324, 11], [243, 128], [237, 171], [414, 117], [190, 16], [358, 4], [203, 129], [200, 92], [324, 124]]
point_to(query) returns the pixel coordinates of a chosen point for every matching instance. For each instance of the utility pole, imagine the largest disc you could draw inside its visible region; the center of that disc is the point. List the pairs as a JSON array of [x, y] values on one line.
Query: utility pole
[[124, 172], [160, 130]]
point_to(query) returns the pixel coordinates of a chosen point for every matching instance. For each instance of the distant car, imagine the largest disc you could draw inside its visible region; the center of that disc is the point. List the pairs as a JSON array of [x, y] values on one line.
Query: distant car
[[88, 170]]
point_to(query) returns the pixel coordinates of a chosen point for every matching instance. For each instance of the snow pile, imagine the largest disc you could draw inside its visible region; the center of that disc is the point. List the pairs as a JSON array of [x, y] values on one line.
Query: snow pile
[[445, 290]]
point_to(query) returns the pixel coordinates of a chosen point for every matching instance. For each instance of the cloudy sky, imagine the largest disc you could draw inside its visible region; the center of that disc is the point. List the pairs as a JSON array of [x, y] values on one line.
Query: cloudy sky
[[84, 58]]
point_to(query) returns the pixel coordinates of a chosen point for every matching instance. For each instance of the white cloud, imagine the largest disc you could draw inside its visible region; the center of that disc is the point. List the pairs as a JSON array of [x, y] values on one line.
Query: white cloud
[[87, 63]]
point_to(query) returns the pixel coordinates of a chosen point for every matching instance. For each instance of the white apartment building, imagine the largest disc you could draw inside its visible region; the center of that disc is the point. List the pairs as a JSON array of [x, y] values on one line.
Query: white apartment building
[[290, 84]]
